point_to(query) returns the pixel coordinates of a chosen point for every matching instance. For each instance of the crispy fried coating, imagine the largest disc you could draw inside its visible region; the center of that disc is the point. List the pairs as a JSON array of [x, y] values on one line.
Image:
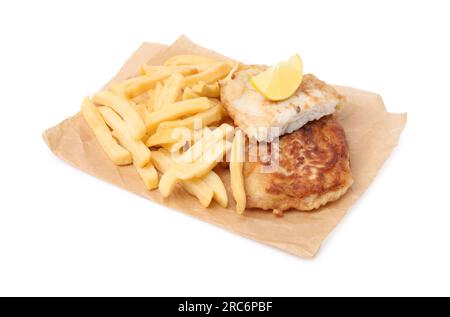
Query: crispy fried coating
[[313, 169]]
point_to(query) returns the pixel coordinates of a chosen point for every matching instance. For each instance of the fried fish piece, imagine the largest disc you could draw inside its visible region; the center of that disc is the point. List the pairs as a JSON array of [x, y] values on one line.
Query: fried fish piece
[[265, 120], [313, 169]]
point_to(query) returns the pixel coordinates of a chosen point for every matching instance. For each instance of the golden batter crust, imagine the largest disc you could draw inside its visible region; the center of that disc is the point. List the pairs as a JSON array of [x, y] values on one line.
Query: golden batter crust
[[314, 168]]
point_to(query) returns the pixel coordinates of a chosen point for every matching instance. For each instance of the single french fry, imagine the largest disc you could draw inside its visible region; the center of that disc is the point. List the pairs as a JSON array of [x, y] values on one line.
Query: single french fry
[[117, 89], [142, 98], [176, 147], [214, 73], [204, 66], [149, 175], [162, 160], [177, 110], [195, 187], [167, 183], [199, 189], [141, 110], [136, 126], [216, 184], [169, 136], [115, 152], [207, 90], [170, 92], [130, 81], [151, 100], [155, 97], [149, 69], [236, 174], [161, 137], [113, 120], [139, 152], [209, 160], [188, 60], [188, 93], [186, 139], [204, 118], [145, 83], [138, 149]]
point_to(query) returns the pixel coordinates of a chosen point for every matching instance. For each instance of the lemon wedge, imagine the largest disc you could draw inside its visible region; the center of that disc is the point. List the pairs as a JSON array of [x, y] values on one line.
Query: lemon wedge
[[280, 81]]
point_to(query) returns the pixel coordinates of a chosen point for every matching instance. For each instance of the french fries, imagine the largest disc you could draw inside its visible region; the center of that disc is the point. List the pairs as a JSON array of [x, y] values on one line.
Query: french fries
[[188, 60], [141, 109], [125, 110], [236, 174], [207, 90], [176, 147], [171, 108], [139, 152], [117, 89], [155, 97], [167, 183], [188, 93], [128, 82], [215, 72], [143, 98], [170, 92], [169, 136], [195, 187], [115, 152], [202, 67], [177, 110], [199, 189], [149, 175], [216, 184], [149, 69], [209, 160], [203, 119], [202, 166], [170, 179], [201, 146], [145, 83], [186, 139]]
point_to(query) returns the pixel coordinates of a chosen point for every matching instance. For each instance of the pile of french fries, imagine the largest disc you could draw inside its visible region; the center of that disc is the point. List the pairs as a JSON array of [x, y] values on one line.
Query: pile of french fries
[[170, 120]]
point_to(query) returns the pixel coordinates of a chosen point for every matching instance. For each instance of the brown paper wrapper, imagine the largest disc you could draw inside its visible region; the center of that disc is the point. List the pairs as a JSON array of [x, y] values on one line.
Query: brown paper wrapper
[[372, 133]]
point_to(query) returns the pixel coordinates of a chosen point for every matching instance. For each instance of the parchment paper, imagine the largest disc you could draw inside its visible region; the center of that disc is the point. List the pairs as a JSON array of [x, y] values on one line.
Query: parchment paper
[[371, 132]]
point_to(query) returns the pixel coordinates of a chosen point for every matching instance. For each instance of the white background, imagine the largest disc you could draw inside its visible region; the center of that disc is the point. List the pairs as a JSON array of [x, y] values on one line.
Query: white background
[[63, 232]]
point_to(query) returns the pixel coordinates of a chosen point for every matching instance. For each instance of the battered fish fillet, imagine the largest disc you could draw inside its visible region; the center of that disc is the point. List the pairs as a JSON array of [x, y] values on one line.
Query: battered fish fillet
[[265, 120], [314, 169]]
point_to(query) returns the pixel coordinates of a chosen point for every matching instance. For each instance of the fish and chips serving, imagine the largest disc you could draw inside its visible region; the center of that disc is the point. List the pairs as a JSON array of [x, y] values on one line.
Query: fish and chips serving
[[241, 140], [272, 126]]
